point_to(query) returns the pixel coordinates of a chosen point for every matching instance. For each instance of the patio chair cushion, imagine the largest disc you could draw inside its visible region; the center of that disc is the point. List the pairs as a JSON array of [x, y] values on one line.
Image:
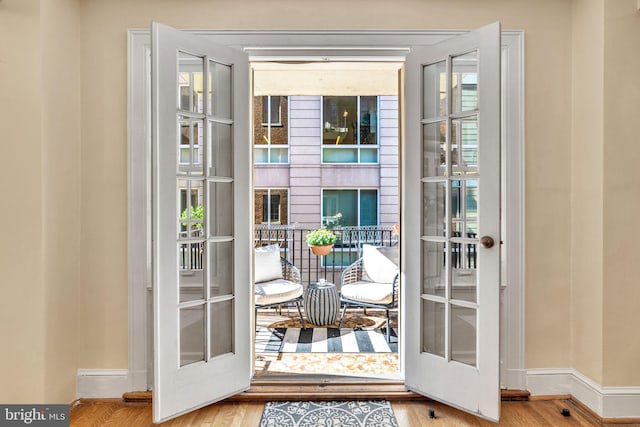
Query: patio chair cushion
[[267, 264], [369, 292], [378, 268], [276, 291]]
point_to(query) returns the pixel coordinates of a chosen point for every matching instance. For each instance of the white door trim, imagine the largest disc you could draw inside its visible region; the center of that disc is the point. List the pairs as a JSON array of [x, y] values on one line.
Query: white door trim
[[331, 45]]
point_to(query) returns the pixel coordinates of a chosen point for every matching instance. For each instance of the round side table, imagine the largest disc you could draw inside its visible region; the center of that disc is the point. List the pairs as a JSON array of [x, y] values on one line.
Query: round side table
[[322, 303]]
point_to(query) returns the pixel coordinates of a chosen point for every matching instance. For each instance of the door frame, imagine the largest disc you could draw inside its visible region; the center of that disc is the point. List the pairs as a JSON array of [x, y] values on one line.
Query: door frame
[[323, 46]]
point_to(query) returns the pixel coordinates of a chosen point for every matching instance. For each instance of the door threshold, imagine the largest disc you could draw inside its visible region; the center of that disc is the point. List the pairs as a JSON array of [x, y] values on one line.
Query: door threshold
[[321, 387], [326, 379], [265, 391]]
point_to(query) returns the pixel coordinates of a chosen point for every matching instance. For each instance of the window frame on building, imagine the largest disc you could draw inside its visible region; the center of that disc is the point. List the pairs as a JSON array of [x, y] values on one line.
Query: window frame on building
[[359, 148], [270, 120], [358, 191], [269, 194], [270, 148]]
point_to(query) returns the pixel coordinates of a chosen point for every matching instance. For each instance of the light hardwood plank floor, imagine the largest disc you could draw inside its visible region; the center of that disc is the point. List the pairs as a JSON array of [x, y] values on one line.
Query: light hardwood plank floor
[[408, 414]]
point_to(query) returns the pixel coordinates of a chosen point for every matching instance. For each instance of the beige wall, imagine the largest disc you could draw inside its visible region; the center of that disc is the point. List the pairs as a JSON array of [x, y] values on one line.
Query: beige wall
[[586, 197], [563, 287], [621, 158], [39, 183], [548, 64], [23, 301], [605, 154], [62, 219]]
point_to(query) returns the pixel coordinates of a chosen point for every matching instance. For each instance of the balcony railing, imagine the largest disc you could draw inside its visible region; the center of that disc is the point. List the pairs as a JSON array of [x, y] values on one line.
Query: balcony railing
[[347, 249]]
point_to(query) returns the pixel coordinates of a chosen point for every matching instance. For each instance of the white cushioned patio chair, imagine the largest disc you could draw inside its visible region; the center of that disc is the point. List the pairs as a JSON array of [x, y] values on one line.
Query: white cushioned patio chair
[[277, 281], [370, 282]]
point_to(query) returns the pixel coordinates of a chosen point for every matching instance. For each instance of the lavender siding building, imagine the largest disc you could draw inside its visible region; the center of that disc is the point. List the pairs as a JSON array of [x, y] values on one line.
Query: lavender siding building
[[329, 160]]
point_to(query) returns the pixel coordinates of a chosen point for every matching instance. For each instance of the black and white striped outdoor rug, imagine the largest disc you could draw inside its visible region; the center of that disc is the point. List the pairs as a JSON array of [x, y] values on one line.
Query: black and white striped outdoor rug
[[325, 340]]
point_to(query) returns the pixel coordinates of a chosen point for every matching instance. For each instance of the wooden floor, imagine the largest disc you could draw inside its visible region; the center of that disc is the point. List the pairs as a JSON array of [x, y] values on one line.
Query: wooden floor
[[408, 414]]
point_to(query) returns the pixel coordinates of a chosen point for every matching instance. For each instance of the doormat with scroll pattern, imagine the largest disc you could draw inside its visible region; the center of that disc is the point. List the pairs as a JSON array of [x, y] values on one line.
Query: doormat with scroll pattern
[[354, 413]]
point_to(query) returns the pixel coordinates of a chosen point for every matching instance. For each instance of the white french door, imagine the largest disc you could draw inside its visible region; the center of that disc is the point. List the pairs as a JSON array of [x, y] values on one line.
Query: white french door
[[451, 221], [201, 222]]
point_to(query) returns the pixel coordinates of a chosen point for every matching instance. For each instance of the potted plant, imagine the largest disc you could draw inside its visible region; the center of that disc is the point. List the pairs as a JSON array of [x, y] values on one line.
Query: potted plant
[[321, 241]]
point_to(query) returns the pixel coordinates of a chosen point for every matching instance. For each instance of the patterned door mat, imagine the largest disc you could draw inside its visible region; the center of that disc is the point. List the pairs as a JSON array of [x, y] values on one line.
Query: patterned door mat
[[370, 413], [325, 340]]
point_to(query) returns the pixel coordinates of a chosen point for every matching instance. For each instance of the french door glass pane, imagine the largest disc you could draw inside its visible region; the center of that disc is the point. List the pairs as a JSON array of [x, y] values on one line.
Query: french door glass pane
[[463, 334], [464, 275], [221, 328], [191, 279], [464, 202], [433, 149], [190, 146], [220, 150], [220, 255], [433, 337], [433, 259], [191, 335], [190, 83], [464, 159], [190, 212], [435, 90], [434, 208], [464, 82], [464, 213], [219, 99], [220, 209]]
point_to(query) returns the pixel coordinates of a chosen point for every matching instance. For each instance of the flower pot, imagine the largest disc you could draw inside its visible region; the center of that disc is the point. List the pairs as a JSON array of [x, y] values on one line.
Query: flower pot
[[321, 250]]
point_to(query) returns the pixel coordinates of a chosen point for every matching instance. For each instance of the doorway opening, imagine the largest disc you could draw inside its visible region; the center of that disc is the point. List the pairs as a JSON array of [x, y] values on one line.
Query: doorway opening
[[326, 156], [512, 372]]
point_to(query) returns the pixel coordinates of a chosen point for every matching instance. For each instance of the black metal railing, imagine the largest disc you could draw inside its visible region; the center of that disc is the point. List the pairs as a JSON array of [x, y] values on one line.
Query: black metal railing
[[347, 249], [191, 256]]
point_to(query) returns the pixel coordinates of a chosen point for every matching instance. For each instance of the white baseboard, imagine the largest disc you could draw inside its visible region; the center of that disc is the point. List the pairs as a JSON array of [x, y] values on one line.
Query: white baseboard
[[102, 383], [606, 402]]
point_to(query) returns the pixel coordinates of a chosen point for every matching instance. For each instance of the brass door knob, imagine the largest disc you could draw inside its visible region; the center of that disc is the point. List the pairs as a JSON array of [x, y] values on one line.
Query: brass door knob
[[486, 242]]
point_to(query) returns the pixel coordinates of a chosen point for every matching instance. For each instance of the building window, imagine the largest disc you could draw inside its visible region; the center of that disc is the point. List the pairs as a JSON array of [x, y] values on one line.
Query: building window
[[271, 206], [350, 129], [348, 208], [270, 130], [344, 208], [271, 109]]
